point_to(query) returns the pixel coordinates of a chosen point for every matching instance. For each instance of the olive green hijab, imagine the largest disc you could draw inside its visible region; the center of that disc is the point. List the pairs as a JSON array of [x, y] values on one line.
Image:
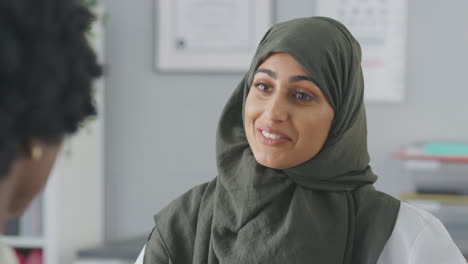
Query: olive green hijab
[[325, 210]]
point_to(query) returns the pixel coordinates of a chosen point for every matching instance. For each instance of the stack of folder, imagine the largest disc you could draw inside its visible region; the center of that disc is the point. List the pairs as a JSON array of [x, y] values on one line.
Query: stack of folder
[[439, 171], [437, 167]]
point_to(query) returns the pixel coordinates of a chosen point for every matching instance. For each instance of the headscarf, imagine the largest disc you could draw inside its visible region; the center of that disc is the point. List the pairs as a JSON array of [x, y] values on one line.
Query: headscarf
[[324, 210]]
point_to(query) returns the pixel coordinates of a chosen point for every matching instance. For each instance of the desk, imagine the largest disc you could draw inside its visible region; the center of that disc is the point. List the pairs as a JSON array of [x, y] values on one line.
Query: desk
[[118, 252]]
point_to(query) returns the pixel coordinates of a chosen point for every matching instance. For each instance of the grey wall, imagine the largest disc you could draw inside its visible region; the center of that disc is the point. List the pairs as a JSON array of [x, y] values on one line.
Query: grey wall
[[160, 128]]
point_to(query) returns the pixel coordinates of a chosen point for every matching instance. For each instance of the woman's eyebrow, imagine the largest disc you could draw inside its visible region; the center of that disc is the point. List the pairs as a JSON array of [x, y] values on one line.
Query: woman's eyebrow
[[291, 79], [270, 73], [299, 78]]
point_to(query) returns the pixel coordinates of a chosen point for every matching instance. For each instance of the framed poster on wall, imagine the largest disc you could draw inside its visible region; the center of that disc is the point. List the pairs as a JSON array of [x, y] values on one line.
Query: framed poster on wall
[[380, 27], [209, 35]]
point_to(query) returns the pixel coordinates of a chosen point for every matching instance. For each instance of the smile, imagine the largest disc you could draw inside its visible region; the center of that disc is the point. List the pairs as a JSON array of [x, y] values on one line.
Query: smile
[[271, 137]]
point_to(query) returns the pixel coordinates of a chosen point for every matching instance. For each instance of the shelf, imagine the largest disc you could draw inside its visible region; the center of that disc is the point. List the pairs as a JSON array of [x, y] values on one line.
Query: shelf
[[24, 242]]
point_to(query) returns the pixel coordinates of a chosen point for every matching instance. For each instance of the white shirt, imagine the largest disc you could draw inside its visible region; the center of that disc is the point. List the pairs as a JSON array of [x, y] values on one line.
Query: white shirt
[[6, 254], [418, 238]]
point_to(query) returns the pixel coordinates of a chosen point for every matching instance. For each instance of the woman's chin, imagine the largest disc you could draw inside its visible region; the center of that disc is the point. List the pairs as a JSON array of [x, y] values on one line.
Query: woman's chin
[[273, 162]]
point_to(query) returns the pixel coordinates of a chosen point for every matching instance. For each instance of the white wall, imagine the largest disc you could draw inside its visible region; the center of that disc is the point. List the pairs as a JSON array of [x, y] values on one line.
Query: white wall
[[160, 130]]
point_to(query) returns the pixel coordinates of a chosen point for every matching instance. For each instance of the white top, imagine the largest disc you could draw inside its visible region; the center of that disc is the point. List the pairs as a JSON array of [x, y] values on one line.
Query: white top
[[418, 238], [6, 254]]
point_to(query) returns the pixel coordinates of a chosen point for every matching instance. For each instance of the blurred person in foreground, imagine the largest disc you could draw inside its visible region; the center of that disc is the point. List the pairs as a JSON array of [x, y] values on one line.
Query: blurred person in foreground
[[46, 72]]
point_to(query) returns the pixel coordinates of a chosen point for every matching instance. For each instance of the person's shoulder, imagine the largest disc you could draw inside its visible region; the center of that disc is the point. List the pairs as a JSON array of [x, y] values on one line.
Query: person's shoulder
[[185, 208], [419, 237], [176, 225], [416, 218], [412, 220], [6, 254], [191, 199], [430, 240]]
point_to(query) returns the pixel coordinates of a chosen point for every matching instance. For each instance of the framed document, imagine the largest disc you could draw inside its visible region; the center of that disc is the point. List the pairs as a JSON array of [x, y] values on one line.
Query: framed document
[[209, 35], [380, 26]]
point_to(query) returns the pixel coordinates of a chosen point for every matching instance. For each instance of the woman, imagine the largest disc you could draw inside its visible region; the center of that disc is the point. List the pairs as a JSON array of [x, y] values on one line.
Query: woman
[[294, 183], [46, 71]]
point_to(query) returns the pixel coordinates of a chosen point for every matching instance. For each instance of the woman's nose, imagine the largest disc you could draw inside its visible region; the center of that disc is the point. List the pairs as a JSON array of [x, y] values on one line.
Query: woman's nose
[[276, 109]]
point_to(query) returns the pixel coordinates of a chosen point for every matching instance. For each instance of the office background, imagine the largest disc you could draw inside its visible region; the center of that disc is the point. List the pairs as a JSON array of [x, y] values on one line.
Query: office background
[[160, 127]]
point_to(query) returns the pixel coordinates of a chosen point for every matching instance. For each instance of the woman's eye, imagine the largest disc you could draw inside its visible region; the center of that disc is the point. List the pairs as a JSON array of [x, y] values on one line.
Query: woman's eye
[[301, 96], [262, 87]]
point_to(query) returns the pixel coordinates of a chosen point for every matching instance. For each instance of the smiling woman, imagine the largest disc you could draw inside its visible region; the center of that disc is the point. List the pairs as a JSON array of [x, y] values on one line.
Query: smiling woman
[[287, 117], [294, 183]]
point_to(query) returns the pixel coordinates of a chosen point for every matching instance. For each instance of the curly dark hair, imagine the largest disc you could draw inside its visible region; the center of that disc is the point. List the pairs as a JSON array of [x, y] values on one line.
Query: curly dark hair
[[46, 71]]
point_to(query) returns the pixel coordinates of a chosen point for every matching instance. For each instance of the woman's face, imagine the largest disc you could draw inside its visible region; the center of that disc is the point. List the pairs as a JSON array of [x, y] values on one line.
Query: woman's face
[[287, 117]]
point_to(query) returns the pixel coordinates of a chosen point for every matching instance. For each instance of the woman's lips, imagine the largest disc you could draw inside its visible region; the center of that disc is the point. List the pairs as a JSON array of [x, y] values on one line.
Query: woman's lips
[[271, 137]]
